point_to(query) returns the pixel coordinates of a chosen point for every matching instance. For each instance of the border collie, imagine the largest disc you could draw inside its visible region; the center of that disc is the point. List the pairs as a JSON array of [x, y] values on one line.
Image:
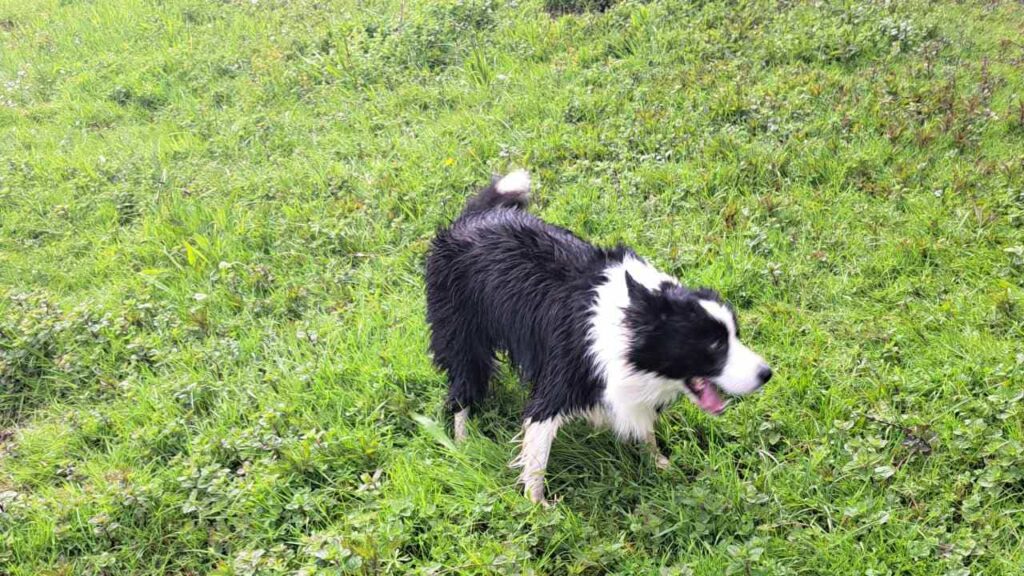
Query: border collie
[[599, 333]]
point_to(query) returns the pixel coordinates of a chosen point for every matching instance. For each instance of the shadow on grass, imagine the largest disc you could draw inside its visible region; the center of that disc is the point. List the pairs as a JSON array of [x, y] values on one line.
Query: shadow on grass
[[589, 468]]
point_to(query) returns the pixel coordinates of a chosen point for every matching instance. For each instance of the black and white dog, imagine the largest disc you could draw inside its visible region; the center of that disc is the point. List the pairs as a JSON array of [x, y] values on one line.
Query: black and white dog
[[599, 333]]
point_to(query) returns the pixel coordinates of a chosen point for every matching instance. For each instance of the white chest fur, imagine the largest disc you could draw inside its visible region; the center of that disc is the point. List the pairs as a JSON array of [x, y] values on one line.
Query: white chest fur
[[631, 398]]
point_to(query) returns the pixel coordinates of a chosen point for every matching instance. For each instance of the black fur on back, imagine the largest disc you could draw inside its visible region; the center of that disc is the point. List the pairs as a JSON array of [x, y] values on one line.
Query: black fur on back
[[499, 278]]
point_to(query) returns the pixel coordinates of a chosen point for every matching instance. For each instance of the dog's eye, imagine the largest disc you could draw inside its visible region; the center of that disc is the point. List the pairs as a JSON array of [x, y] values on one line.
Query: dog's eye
[[716, 345]]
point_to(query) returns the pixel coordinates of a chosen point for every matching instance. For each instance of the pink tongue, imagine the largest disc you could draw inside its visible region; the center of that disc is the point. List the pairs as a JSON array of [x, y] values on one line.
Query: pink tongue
[[709, 400]]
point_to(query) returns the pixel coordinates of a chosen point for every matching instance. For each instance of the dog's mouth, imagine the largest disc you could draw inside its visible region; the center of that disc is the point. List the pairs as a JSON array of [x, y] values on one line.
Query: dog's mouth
[[706, 396]]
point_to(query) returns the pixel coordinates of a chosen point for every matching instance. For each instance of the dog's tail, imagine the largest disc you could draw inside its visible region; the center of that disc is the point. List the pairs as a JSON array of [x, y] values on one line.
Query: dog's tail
[[512, 190]]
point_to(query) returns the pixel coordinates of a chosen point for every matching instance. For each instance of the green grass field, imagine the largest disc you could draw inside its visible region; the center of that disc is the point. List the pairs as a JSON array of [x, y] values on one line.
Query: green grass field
[[213, 219]]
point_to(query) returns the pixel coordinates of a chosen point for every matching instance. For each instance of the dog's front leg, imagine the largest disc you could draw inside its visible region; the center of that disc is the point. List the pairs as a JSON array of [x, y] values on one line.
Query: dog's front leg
[[660, 460], [533, 457]]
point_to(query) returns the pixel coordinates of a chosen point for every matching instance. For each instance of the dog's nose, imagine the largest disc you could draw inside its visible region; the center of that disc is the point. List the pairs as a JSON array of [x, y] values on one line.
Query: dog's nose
[[764, 375]]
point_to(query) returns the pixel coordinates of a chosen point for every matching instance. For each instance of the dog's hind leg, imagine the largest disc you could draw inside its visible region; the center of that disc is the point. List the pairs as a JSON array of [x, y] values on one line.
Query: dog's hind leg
[[460, 420], [469, 362], [533, 457]]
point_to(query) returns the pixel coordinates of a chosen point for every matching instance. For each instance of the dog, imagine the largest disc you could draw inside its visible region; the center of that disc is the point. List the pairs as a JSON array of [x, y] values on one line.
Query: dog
[[599, 333]]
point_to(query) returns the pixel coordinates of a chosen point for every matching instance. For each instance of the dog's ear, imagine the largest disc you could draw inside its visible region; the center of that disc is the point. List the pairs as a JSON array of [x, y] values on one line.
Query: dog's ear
[[637, 291], [653, 303]]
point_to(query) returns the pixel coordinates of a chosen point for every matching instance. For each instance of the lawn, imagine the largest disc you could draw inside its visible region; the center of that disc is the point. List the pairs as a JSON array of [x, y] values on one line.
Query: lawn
[[213, 222]]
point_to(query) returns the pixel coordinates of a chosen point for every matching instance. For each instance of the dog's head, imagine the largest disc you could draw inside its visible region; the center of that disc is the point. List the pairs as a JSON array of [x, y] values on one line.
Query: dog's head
[[692, 336]]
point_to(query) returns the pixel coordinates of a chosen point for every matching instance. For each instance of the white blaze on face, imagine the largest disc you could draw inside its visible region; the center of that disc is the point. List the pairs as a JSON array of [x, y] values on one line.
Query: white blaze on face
[[743, 367]]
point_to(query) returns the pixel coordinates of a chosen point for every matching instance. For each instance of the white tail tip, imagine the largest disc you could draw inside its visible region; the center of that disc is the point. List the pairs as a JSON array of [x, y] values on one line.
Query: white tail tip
[[517, 182]]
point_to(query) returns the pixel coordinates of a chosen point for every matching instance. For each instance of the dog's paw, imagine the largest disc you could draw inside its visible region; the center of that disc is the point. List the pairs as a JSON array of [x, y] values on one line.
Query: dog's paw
[[662, 462], [538, 498], [535, 492], [543, 502]]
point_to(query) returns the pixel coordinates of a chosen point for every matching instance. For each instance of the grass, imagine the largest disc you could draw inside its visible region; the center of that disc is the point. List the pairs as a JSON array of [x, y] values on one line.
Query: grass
[[213, 217]]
